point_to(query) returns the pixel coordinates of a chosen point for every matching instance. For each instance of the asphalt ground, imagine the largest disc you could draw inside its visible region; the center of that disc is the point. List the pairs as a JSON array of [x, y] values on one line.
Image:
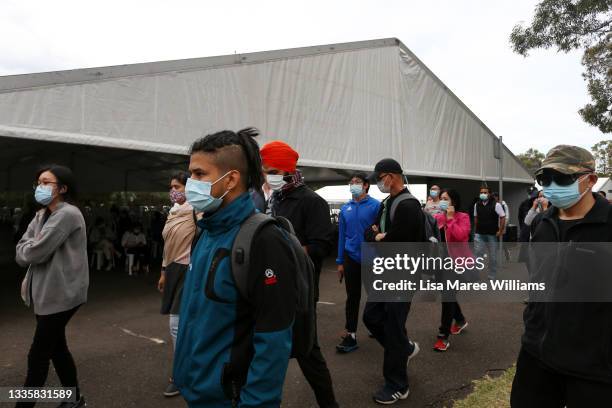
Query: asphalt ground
[[122, 346]]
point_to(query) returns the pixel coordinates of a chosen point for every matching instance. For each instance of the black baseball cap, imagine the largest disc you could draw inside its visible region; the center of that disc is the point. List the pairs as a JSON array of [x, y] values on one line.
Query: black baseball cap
[[386, 166]]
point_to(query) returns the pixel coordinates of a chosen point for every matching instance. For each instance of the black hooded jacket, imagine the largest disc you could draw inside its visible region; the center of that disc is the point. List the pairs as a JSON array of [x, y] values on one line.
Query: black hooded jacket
[[573, 338]]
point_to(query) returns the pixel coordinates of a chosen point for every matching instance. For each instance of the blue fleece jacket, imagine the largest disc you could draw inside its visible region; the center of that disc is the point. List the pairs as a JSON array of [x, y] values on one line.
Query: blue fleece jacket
[[208, 328], [355, 217]]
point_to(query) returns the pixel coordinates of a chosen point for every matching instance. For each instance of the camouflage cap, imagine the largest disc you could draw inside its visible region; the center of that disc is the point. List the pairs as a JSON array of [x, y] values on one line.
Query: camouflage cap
[[568, 159]]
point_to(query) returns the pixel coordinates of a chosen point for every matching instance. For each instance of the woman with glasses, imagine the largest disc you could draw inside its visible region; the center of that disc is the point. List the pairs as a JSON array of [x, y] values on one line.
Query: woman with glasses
[[54, 248]]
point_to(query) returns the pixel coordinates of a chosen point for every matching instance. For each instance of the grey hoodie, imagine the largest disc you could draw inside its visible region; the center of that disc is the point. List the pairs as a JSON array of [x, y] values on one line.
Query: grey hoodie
[[56, 253]]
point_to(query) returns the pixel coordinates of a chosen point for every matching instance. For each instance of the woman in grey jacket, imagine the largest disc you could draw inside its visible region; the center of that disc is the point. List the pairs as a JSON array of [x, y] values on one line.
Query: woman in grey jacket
[[54, 248]]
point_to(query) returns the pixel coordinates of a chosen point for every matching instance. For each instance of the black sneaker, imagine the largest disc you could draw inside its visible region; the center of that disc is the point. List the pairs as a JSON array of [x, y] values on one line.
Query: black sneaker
[[75, 404], [349, 343], [387, 396], [171, 390]]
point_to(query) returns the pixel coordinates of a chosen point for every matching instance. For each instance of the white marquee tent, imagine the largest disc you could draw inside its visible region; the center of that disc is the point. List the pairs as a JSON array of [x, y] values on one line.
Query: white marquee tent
[[603, 184], [342, 106]]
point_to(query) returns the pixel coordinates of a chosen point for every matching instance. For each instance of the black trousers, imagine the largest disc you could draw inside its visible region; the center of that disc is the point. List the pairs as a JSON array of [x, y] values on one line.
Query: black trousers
[[352, 282], [450, 310], [317, 374], [538, 386], [49, 344], [387, 323]]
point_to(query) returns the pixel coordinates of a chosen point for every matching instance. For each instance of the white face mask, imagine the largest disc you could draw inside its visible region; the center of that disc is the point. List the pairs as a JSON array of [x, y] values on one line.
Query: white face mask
[[275, 181]]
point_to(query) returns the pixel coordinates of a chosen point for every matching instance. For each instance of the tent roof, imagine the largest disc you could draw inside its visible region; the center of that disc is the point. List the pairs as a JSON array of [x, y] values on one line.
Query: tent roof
[[342, 106]]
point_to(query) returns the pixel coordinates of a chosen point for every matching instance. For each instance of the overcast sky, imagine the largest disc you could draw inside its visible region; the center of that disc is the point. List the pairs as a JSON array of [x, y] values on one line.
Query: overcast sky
[[532, 102]]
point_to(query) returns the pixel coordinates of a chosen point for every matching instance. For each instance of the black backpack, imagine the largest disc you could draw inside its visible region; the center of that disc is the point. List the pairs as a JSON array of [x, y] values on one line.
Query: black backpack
[[432, 232], [304, 323]]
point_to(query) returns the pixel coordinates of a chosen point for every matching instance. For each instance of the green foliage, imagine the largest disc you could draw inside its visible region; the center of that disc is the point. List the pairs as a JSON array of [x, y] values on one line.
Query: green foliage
[[531, 159], [576, 24], [598, 63], [603, 157]]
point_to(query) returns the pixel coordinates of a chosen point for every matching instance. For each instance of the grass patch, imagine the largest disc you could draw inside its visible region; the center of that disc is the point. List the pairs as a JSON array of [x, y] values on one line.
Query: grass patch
[[490, 392]]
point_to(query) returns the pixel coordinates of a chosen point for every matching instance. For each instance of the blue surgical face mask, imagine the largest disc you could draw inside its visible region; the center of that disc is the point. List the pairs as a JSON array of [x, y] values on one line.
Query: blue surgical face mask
[[199, 195], [484, 197], [444, 205], [356, 189], [564, 196], [433, 193], [43, 195]]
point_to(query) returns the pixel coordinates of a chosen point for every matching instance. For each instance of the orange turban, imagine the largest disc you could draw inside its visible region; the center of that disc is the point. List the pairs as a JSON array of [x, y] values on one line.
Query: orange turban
[[279, 155]]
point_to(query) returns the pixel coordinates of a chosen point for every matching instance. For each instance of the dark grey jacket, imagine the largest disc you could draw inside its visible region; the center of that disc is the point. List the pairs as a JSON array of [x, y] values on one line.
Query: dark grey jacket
[[56, 256]]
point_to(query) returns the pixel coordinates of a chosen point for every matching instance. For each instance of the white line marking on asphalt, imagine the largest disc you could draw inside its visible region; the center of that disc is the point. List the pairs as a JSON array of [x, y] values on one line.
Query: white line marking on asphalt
[[153, 339], [326, 303]]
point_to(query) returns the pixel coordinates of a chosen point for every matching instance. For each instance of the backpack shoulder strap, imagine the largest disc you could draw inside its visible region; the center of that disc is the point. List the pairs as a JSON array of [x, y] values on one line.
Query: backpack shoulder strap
[[399, 199], [241, 250], [285, 224]]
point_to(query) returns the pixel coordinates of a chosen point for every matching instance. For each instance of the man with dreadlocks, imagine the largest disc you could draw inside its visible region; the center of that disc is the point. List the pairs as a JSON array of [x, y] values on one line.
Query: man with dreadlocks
[[309, 215], [229, 352]]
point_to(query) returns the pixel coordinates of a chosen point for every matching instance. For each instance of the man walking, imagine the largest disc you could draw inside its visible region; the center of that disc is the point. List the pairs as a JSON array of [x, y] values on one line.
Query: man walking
[[387, 320], [310, 217], [565, 358], [231, 351], [355, 217], [489, 224]]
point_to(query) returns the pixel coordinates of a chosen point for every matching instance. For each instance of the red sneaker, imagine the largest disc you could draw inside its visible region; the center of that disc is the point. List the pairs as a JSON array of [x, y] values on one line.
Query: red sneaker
[[458, 328], [441, 345]]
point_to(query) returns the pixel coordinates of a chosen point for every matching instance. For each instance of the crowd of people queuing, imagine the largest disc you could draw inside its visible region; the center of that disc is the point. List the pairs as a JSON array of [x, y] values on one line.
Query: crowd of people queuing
[[233, 337]]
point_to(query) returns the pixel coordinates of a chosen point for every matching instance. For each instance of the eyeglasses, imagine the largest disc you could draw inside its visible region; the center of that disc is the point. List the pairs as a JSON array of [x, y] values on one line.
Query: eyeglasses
[[560, 179], [382, 176], [43, 183]]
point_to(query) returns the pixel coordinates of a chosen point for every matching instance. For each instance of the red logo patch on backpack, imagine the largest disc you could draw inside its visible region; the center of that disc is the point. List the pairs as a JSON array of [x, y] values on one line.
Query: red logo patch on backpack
[[270, 277]]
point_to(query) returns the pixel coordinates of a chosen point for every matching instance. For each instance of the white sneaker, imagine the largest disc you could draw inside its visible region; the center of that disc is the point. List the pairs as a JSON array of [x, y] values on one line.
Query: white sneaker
[[415, 351]]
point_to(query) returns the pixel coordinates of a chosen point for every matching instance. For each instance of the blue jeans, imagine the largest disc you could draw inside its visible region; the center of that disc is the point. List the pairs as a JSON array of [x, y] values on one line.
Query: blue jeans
[[488, 243]]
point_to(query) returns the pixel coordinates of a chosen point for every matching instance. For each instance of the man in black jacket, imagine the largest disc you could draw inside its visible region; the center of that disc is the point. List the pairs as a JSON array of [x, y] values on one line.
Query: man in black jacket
[[387, 320], [566, 354], [489, 224], [310, 217]]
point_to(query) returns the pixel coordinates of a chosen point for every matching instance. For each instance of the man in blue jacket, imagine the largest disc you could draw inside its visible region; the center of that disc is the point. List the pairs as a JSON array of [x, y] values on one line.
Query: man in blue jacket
[[355, 217], [232, 351]]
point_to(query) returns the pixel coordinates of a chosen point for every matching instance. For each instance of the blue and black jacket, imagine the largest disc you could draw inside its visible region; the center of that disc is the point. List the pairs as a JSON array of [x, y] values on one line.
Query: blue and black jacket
[[231, 351], [355, 218]]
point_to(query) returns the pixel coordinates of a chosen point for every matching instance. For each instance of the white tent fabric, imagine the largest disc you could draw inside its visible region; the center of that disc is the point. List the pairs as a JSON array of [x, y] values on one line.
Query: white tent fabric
[[341, 194], [603, 184], [342, 106]]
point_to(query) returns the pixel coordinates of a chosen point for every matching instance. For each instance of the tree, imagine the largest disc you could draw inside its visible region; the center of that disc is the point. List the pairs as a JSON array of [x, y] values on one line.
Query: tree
[[532, 160], [576, 24], [602, 152]]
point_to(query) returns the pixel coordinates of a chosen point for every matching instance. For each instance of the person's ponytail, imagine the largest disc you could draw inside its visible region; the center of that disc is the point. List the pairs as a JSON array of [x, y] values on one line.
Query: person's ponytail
[[251, 151]]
